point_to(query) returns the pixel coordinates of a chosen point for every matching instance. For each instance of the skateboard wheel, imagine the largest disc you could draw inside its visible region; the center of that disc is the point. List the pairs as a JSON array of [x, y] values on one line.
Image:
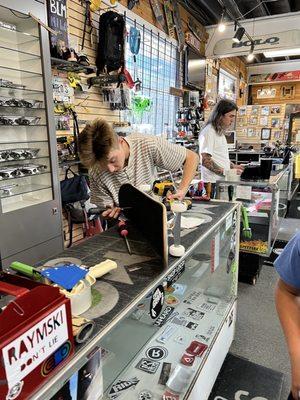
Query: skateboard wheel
[[176, 251], [178, 207]]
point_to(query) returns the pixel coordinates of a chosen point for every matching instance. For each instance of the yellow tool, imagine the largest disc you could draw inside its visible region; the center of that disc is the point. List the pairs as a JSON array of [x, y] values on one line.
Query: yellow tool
[[95, 5], [161, 188]]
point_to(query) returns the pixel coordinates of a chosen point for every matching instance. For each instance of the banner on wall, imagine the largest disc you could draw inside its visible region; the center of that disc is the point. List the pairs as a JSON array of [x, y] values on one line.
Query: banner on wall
[[57, 20], [276, 77], [274, 41]]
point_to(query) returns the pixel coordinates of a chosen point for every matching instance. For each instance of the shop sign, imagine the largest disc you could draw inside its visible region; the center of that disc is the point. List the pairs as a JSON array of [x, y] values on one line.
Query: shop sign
[[57, 20], [276, 77], [29, 350], [280, 40]]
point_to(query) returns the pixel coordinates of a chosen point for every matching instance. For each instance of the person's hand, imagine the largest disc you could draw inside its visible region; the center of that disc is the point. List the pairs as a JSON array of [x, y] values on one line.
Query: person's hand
[[112, 212], [239, 168], [296, 378], [179, 195]]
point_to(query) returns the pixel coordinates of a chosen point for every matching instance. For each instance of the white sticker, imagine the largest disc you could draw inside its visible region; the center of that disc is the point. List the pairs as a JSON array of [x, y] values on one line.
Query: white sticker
[[215, 252], [228, 223], [29, 350]]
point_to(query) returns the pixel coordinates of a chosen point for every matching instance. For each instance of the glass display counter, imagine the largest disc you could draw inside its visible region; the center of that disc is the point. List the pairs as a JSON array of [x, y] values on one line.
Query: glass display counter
[[265, 204], [153, 326]]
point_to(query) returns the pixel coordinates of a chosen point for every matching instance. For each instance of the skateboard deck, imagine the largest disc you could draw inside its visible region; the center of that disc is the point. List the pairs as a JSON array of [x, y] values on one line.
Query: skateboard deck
[[178, 25], [169, 19], [148, 215], [159, 16]]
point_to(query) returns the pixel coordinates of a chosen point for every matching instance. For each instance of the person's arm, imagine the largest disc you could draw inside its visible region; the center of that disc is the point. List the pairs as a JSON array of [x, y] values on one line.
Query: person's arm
[[103, 199], [189, 170], [208, 162], [288, 307]]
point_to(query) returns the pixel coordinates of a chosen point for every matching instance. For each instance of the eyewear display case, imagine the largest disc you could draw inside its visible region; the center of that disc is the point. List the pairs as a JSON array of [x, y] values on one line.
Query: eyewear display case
[[29, 194], [155, 327]]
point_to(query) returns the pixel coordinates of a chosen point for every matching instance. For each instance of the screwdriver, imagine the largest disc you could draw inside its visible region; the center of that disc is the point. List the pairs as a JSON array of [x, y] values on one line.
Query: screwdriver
[[123, 231]]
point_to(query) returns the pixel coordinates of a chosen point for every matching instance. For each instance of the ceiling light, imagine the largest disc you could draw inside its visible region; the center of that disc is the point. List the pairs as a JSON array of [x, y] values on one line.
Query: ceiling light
[[238, 35], [221, 25], [250, 56], [282, 53]]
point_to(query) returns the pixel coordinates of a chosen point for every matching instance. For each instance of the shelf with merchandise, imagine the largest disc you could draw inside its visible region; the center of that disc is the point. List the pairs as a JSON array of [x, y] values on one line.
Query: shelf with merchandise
[[13, 36], [21, 176], [15, 190], [9, 54], [72, 66]]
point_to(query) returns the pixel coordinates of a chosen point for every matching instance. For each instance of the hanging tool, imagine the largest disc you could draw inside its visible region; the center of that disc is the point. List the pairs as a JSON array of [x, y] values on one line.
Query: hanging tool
[[123, 231], [87, 21], [246, 232], [134, 44]]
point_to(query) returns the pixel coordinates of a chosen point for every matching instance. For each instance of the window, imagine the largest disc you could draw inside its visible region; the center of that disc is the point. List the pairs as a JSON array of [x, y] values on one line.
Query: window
[[157, 68]]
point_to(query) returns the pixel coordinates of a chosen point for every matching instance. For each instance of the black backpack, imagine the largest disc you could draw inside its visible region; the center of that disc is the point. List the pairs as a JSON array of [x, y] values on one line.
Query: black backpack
[[112, 32]]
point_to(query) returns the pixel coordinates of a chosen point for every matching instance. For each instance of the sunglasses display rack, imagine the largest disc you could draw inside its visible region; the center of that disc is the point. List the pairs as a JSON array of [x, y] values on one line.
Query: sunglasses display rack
[[25, 166]]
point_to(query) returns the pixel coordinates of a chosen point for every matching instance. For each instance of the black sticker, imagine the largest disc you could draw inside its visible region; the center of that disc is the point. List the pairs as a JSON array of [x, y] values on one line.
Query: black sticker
[[121, 386], [156, 353], [195, 314], [157, 301], [191, 325], [164, 317], [145, 395], [147, 365], [175, 274], [165, 373]]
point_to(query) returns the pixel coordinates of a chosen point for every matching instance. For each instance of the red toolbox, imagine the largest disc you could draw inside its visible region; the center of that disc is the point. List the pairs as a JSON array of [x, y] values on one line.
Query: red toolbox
[[35, 335]]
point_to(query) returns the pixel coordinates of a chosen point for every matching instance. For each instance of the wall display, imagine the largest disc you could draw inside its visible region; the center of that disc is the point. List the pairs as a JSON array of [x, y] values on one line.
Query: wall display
[[178, 25], [251, 132], [266, 93], [242, 110], [255, 110], [287, 92], [159, 16], [276, 77], [266, 134], [253, 120], [265, 110], [275, 123], [263, 121], [277, 135], [169, 18], [275, 109]]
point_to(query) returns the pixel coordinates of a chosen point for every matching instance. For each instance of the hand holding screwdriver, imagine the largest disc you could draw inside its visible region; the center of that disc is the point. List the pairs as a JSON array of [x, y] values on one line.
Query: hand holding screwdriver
[[123, 231]]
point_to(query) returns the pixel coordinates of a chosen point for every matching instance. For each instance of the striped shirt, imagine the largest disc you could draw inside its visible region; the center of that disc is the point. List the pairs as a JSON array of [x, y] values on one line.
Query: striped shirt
[[146, 153]]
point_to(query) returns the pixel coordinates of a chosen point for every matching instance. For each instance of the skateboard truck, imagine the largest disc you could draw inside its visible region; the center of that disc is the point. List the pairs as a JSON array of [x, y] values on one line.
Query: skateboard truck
[[176, 249]]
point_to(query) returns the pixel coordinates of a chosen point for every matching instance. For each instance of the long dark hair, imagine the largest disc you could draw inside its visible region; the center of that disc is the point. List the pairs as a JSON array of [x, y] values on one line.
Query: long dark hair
[[223, 107]]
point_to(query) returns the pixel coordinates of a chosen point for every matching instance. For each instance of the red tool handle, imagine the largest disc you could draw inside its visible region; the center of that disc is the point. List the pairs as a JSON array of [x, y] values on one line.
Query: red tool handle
[[12, 289], [122, 228]]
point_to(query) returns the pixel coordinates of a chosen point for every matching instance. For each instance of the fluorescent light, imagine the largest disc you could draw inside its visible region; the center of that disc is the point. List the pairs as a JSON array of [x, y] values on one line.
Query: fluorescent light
[[250, 57], [282, 53], [221, 27]]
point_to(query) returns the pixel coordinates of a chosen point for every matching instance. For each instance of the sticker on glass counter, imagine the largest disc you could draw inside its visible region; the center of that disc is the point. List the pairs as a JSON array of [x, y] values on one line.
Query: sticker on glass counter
[[205, 306], [167, 333], [194, 314], [192, 297], [170, 396], [148, 366], [165, 373], [164, 316], [172, 300], [175, 274], [156, 353], [203, 337], [122, 386], [157, 301]]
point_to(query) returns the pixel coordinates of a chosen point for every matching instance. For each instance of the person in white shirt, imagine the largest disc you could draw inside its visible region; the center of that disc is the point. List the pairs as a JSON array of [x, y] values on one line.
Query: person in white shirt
[[213, 149]]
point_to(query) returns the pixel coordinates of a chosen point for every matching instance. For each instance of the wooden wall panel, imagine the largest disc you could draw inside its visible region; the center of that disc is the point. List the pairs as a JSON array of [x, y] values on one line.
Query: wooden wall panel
[[277, 99]]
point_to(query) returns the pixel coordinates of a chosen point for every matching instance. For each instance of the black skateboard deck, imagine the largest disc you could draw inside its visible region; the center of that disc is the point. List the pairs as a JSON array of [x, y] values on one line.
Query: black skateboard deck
[[148, 215]]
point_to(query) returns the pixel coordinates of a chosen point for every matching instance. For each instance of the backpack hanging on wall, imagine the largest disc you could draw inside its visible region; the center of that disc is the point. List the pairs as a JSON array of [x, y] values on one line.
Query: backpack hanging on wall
[[111, 45]]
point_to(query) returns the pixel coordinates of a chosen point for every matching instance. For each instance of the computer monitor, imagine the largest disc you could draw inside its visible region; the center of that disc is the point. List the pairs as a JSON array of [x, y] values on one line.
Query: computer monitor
[[231, 139]]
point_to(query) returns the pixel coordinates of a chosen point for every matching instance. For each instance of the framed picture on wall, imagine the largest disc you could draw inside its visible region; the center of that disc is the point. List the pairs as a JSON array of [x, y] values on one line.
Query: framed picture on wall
[[265, 110], [275, 109], [251, 132], [255, 110], [252, 120], [275, 122], [277, 135], [263, 121], [265, 134], [242, 111]]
